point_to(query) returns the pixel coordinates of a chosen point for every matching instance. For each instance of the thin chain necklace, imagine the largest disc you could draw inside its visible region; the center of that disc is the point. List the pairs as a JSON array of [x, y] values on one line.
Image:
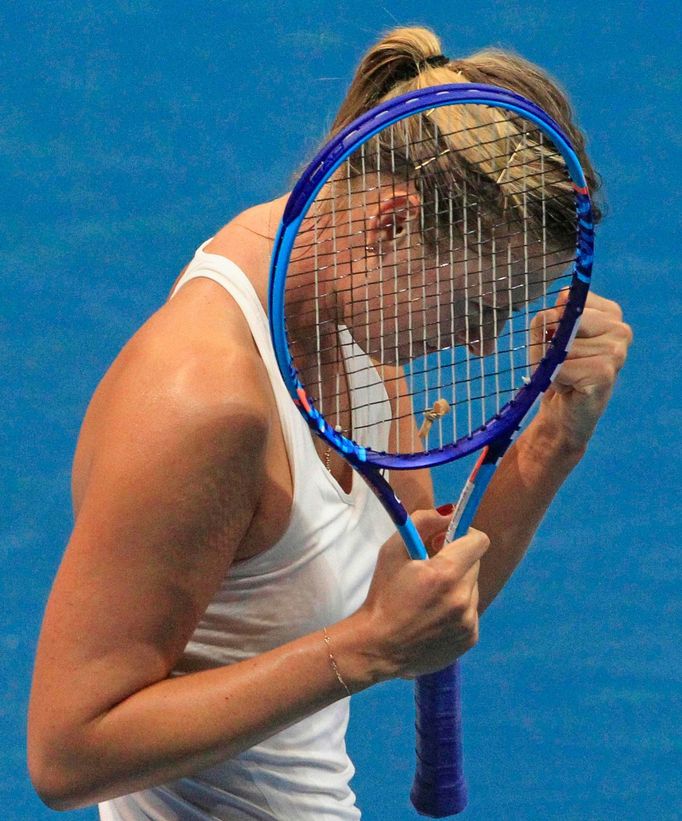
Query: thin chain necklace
[[328, 449], [338, 427]]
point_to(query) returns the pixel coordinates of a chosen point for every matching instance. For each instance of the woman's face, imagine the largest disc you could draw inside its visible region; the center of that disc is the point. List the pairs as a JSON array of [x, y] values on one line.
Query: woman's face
[[402, 299]]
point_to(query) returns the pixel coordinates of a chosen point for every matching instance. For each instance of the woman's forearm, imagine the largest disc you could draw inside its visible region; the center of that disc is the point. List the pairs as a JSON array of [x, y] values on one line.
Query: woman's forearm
[[418, 616], [181, 725], [526, 481]]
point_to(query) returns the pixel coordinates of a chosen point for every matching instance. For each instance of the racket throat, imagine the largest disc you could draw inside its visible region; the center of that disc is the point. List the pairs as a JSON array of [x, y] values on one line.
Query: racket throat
[[474, 488]]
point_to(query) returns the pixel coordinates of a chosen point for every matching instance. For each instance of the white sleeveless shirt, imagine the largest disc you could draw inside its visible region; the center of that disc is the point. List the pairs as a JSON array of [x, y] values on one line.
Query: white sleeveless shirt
[[317, 574]]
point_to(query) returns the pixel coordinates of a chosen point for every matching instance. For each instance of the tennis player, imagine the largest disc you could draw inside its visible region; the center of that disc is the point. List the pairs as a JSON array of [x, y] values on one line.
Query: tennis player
[[228, 583]]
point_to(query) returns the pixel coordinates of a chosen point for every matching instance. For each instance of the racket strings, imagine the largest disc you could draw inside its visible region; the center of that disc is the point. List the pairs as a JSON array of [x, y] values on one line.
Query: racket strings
[[465, 414], [496, 155], [312, 231], [426, 368], [490, 287], [383, 315], [499, 170], [420, 274], [487, 248]]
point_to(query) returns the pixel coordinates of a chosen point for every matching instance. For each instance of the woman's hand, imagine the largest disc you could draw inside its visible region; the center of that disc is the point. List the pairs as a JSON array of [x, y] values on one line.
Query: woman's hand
[[419, 616], [573, 404]]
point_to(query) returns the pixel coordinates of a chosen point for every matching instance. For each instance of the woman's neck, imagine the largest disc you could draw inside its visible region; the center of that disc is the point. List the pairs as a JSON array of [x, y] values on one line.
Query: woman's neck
[[248, 239]]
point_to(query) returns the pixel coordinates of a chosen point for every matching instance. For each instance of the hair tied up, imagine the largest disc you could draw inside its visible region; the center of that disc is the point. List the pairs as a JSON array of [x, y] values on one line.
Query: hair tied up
[[436, 61], [408, 71], [398, 63]]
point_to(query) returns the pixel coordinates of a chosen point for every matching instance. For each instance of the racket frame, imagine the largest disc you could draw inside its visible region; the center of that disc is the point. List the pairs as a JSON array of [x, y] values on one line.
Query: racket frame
[[323, 165]]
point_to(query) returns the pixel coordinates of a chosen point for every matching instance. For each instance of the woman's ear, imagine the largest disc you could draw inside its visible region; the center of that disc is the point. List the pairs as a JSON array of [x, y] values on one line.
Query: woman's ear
[[391, 220]]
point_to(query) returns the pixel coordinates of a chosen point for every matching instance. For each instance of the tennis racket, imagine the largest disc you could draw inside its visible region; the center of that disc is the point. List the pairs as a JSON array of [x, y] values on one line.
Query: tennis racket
[[412, 292]]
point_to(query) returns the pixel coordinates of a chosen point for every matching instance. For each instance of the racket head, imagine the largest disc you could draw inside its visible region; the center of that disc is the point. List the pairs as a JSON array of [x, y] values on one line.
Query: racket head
[[506, 417]]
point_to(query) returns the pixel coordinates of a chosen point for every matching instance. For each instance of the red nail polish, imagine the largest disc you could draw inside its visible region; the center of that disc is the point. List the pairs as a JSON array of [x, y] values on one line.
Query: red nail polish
[[446, 510], [549, 334]]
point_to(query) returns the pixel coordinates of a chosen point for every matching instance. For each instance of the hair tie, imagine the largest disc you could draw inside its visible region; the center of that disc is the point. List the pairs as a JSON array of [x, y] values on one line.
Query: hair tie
[[408, 71], [436, 61]]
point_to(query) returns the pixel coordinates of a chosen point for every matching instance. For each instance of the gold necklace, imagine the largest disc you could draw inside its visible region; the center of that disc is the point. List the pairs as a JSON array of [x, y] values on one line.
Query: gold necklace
[[328, 449]]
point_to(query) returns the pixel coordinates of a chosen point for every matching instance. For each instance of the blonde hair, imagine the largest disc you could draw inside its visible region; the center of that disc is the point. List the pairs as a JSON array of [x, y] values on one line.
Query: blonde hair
[[449, 139]]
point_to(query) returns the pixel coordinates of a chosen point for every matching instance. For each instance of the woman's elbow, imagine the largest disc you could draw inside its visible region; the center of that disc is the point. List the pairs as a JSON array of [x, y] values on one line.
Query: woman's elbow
[[59, 786], [49, 786]]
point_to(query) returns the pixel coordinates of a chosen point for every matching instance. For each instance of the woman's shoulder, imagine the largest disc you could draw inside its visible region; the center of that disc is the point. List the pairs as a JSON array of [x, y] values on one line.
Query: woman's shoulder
[[196, 351]]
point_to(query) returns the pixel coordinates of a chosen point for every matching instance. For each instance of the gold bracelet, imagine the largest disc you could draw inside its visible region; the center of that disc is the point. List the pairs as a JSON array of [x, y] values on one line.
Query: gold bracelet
[[327, 641]]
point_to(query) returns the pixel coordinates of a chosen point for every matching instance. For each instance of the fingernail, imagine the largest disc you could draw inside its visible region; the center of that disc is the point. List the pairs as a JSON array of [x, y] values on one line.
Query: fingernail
[[549, 334], [446, 510]]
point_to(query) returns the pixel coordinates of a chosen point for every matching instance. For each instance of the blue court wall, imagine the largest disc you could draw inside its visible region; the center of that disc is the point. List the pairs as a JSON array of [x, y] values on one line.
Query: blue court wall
[[132, 130]]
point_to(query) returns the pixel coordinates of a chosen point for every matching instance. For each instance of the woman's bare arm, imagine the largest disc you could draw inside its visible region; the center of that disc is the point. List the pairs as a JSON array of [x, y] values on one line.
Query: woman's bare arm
[[535, 467], [520, 493], [533, 470], [175, 482]]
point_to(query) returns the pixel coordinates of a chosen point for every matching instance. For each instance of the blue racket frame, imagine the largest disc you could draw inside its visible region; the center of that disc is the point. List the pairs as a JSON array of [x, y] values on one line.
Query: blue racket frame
[[439, 787], [302, 196]]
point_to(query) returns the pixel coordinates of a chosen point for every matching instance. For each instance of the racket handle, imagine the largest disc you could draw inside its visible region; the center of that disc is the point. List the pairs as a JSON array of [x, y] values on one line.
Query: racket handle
[[439, 788]]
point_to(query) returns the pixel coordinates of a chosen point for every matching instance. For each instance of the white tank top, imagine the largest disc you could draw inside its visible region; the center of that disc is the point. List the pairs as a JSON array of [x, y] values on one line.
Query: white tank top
[[317, 574]]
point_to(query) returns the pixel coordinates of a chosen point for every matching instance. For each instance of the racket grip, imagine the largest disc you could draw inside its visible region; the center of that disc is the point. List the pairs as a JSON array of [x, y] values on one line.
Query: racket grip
[[439, 788]]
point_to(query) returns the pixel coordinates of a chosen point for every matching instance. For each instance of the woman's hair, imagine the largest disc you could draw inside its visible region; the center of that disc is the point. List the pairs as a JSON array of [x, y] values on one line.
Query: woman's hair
[[471, 143]]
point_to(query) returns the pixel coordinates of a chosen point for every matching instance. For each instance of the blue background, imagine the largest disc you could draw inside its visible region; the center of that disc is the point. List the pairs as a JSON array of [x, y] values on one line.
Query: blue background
[[132, 130]]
